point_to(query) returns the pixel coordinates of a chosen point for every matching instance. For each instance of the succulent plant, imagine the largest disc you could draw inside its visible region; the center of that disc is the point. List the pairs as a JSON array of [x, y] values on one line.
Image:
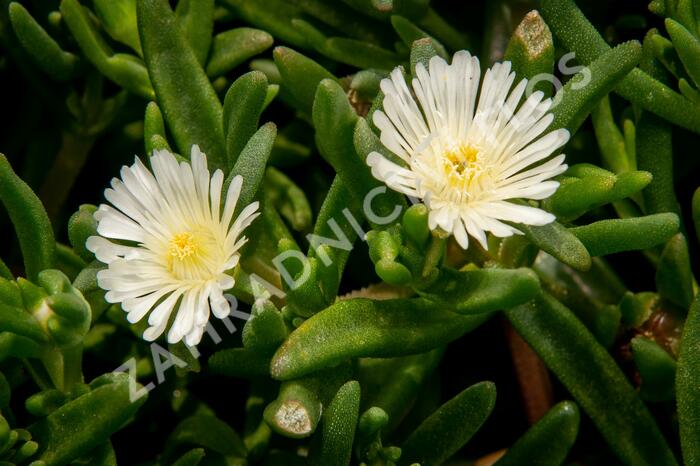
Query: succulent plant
[[431, 232]]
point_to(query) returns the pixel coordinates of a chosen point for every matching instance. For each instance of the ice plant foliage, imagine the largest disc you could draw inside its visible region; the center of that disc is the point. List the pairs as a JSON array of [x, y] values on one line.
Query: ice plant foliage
[[352, 305], [468, 160], [168, 243]]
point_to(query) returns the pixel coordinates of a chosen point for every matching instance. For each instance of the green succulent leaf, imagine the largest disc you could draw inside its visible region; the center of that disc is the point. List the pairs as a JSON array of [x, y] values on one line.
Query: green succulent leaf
[[591, 187], [273, 16], [674, 277], [239, 362], [688, 47], [81, 226], [578, 35], [654, 153], [209, 432], [450, 427], [265, 330], [366, 328], [594, 379], [548, 442], [29, 219], [243, 104], [610, 236], [44, 51], [191, 458], [118, 17], [657, 370], [335, 122], [687, 380], [300, 75], [338, 425], [395, 384], [610, 139], [531, 51], [579, 98], [231, 48], [154, 130], [84, 423], [558, 241], [251, 164], [196, 21], [124, 69], [409, 33], [297, 410], [289, 199], [185, 95], [481, 291]]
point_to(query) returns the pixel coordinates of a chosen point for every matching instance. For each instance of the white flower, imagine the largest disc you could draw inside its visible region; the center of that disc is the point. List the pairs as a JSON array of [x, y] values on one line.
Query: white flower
[[467, 160], [174, 244]]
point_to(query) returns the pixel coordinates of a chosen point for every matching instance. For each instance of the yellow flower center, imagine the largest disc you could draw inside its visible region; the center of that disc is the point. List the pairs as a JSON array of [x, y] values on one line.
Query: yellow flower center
[[461, 165], [183, 245]]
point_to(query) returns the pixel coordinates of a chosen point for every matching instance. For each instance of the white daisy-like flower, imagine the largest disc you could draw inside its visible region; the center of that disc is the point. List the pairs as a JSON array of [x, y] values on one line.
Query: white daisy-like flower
[[466, 160], [174, 244]]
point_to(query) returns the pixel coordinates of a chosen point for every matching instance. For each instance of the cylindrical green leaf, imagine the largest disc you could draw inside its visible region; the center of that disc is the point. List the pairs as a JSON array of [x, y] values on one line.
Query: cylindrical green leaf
[[688, 47], [41, 47], [154, 130], [118, 17], [124, 69], [450, 427], [81, 425], [409, 33], [629, 234], [273, 16], [191, 458], [654, 153], [29, 219], [610, 139], [251, 164], [578, 35], [548, 442], [265, 330], [578, 99], [338, 425], [422, 51], [300, 75], [485, 290], [557, 240], [243, 105], [331, 222], [687, 382], [657, 370], [81, 226], [297, 410], [594, 379], [366, 328], [592, 295], [586, 192], [674, 276], [335, 122], [196, 21], [289, 199], [240, 362], [20, 322], [231, 48], [394, 384], [531, 52], [695, 205], [208, 431], [185, 95]]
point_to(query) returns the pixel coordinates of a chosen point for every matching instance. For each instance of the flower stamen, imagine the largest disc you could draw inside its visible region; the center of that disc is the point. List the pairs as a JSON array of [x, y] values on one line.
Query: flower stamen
[[183, 245]]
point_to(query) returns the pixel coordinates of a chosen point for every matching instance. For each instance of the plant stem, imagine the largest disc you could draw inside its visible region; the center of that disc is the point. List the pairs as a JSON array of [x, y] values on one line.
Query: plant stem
[[66, 168]]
